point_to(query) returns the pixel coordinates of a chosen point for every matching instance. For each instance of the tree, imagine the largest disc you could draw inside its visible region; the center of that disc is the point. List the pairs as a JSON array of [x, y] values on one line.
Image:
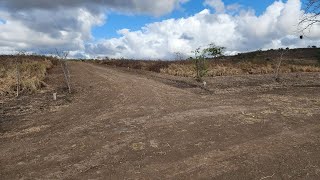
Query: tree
[[211, 51], [200, 65], [277, 72], [63, 57], [313, 8]]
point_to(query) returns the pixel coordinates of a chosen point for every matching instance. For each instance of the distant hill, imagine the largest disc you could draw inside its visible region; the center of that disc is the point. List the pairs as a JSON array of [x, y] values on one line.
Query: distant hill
[[312, 54]]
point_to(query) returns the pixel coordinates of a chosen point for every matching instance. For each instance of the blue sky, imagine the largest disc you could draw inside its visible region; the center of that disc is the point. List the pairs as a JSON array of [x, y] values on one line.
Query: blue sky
[[117, 21], [2, 21]]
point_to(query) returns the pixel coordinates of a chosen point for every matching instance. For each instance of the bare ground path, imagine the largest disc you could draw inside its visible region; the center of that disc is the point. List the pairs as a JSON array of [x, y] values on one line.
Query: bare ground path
[[122, 125]]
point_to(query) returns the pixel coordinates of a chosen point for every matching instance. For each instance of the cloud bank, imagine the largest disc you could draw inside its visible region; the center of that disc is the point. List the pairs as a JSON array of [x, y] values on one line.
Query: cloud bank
[[135, 6], [41, 25], [67, 25]]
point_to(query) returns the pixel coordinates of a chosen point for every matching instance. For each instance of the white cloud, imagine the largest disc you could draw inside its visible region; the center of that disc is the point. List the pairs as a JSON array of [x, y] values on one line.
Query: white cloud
[[134, 6], [38, 24], [41, 24], [39, 29], [276, 27], [218, 5]]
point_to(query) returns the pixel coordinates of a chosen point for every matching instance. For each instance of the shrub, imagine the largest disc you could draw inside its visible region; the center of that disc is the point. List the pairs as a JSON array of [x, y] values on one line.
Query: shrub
[[200, 58]]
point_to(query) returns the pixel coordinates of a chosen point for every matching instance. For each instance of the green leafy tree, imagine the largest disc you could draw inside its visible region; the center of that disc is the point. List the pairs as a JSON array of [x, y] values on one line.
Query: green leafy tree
[[213, 51], [200, 65], [201, 54]]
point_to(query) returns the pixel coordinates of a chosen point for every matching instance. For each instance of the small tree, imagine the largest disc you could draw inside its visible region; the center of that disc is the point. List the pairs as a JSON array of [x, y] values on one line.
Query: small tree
[[277, 72], [19, 55], [211, 51], [199, 62], [63, 57]]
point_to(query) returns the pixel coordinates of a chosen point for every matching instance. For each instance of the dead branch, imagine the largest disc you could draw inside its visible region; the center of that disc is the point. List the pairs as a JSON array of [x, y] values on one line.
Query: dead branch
[[267, 176], [277, 73], [18, 77], [311, 17], [62, 58]]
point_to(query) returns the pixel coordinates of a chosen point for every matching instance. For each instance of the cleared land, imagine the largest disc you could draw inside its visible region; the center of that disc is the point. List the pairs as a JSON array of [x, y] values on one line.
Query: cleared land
[[128, 124]]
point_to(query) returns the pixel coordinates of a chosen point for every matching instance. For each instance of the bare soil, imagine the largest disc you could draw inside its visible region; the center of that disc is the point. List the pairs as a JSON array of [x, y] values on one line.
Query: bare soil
[[129, 124]]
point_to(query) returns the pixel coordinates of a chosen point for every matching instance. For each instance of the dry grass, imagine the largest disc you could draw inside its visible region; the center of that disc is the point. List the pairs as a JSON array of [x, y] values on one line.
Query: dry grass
[[185, 70], [32, 74], [240, 68], [154, 66], [259, 62]]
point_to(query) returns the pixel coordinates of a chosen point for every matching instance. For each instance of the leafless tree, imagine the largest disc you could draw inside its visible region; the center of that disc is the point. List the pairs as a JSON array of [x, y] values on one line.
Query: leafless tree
[[277, 73], [18, 76], [62, 58], [312, 15]]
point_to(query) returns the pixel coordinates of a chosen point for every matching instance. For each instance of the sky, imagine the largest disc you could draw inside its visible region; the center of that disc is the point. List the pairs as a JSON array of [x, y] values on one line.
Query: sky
[[148, 29]]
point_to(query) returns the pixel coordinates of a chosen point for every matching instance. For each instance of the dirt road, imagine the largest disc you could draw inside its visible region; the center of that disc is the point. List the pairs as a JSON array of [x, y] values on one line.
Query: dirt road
[[124, 125]]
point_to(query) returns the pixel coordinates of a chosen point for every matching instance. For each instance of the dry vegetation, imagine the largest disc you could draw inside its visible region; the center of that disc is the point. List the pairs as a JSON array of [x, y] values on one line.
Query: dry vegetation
[[154, 66], [31, 70], [259, 62], [240, 68]]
